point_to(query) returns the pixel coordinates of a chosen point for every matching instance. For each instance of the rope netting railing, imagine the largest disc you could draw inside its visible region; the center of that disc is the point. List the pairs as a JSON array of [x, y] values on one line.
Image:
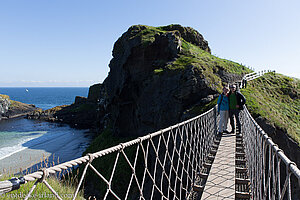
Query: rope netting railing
[[272, 174], [254, 75], [160, 165]]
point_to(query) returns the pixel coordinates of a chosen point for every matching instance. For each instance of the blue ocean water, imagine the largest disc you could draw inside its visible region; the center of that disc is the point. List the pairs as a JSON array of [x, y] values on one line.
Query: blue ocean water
[[20, 133], [45, 97]]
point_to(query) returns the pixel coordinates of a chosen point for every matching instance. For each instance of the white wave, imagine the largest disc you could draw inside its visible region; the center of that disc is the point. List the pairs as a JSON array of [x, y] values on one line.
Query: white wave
[[7, 151]]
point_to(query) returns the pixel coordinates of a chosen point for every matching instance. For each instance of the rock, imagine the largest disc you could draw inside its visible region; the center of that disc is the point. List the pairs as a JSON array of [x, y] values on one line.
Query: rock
[[190, 35], [4, 106], [138, 99], [11, 109], [80, 100], [96, 92]]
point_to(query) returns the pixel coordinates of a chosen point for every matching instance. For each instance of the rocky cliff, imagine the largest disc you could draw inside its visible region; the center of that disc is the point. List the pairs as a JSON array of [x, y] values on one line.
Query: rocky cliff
[[4, 105], [11, 109], [158, 77], [82, 114], [158, 74]]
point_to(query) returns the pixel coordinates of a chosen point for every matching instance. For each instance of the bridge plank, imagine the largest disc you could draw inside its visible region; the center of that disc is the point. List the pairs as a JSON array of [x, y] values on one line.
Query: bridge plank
[[221, 180]]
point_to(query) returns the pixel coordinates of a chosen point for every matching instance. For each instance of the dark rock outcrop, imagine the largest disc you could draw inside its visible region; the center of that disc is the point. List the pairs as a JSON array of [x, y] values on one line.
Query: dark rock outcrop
[[4, 105], [140, 100], [12, 109], [81, 114], [84, 113], [96, 92]]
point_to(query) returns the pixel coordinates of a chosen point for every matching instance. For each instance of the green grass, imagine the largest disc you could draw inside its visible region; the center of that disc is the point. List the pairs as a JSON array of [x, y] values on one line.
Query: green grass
[[147, 35], [194, 55], [42, 192], [206, 63], [209, 65], [64, 187], [276, 98], [158, 71]]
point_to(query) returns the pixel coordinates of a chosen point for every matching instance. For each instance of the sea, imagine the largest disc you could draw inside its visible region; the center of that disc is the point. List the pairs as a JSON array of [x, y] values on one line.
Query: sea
[[20, 133], [45, 97]]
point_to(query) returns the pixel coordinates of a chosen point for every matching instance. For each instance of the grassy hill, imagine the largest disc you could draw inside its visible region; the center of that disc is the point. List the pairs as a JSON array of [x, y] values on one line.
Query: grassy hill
[[276, 98]]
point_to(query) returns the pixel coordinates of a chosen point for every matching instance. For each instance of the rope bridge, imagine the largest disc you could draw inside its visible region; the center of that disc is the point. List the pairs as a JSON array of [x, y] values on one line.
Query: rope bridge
[[165, 163]]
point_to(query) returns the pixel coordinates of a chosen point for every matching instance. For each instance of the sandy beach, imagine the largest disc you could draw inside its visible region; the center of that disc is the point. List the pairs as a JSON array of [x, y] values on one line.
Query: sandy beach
[[57, 150]]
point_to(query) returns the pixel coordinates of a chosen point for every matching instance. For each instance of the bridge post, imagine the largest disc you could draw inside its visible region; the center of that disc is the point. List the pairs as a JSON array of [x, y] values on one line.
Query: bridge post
[[215, 120]]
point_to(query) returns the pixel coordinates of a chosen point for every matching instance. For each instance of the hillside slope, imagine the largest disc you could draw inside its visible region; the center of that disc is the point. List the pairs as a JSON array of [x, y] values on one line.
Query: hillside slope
[[276, 98], [273, 100]]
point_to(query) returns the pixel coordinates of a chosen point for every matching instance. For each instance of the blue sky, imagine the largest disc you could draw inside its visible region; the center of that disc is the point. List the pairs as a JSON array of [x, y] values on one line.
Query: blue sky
[[69, 42]]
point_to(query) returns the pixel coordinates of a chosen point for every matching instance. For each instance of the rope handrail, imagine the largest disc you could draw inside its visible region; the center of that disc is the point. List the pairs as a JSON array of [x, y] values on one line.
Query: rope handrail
[[268, 166], [267, 163]]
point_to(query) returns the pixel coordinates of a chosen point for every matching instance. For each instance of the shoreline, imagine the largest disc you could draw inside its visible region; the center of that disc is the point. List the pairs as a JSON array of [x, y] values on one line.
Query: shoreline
[[16, 116], [55, 151], [22, 161]]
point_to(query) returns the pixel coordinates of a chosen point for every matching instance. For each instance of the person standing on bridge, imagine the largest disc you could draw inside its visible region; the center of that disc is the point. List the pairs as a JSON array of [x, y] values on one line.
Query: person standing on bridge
[[223, 109], [236, 104]]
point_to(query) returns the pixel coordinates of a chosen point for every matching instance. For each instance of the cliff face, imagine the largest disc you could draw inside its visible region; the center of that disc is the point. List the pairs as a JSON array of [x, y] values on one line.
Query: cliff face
[[157, 74], [4, 105], [11, 109]]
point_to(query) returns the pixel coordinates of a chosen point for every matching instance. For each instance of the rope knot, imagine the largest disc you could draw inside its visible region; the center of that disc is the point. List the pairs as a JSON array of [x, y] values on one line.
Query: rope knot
[[140, 139], [91, 157], [291, 163], [122, 146], [278, 150], [44, 175]]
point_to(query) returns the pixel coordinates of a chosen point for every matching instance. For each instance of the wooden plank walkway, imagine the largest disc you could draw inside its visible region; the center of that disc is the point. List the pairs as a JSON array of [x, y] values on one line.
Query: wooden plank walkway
[[221, 180]]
